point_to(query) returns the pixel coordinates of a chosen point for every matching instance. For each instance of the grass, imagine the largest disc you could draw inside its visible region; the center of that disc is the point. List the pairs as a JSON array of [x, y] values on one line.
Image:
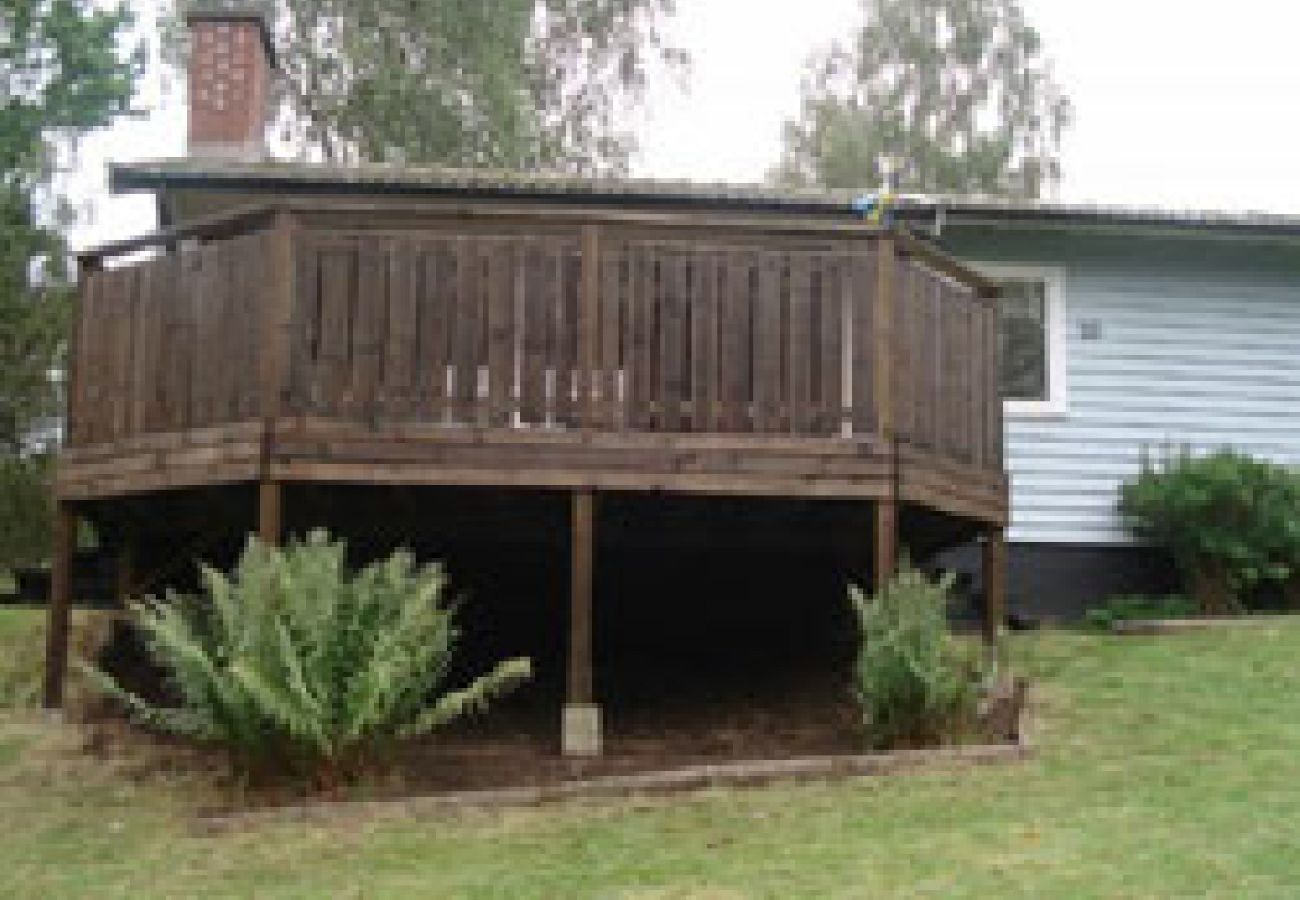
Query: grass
[[1167, 767]]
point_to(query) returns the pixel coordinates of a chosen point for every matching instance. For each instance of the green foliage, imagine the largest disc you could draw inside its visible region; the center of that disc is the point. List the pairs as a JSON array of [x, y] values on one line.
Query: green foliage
[[1230, 522], [1130, 607], [942, 95], [915, 682], [295, 664], [63, 74], [520, 84]]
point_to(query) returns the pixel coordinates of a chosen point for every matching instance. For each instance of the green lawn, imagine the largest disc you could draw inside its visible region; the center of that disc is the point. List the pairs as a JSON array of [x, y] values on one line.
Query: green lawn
[[1167, 767]]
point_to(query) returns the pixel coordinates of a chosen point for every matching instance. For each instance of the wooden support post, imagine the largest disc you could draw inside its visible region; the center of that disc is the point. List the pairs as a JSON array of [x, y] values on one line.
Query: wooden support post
[[270, 523], [581, 725], [884, 562], [60, 600], [995, 584]]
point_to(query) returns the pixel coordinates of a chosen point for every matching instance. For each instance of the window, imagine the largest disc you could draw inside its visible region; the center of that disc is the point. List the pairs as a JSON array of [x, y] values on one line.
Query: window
[[1031, 342]]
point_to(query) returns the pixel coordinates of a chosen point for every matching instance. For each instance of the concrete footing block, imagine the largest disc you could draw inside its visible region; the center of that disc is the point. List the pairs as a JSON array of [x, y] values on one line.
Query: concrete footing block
[[580, 730]]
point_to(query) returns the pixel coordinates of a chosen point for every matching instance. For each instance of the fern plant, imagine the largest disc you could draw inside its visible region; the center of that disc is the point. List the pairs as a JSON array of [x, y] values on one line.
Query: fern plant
[[916, 685], [296, 663]]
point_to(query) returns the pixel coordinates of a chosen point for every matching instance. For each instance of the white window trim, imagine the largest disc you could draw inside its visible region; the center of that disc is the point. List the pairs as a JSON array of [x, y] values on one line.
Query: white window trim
[[1053, 278]]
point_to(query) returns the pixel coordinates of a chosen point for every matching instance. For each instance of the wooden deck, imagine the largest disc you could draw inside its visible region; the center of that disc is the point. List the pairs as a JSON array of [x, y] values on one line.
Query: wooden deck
[[533, 347], [519, 347]]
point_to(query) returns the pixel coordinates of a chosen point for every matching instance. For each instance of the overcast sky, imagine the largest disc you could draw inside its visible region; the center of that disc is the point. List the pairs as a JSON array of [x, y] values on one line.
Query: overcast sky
[[1183, 103]]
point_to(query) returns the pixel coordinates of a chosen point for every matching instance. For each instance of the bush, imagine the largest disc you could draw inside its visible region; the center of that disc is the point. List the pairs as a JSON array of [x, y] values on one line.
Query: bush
[[1127, 608], [1230, 522], [296, 666], [916, 684]]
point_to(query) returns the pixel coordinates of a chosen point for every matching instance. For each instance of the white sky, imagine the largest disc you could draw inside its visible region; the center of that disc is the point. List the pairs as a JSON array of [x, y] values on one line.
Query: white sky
[[1182, 103]]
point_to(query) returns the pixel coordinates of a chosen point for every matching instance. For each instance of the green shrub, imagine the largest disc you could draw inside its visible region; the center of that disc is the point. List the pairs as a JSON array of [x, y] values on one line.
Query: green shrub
[[1126, 608], [294, 665], [915, 682], [1230, 522]]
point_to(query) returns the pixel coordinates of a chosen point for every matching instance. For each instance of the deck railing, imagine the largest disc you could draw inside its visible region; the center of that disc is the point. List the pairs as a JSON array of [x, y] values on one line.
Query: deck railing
[[540, 320]]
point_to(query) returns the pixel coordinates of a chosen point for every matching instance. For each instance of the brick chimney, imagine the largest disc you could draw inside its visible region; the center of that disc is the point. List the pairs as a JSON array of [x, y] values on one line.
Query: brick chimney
[[231, 62]]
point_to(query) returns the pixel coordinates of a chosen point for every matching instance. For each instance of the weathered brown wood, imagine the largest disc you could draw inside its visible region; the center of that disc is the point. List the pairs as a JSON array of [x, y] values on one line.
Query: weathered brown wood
[[465, 351], [861, 307], [588, 324], [884, 540], [398, 391], [581, 575], [657, 331], [995, 584], [500, 308], [767, 345], [883, 337], [270, 513], [62, 548], [278, 302]]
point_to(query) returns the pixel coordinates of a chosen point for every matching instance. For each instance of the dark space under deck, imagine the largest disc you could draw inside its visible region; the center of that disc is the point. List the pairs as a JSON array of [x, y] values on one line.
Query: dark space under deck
[[706, 610]]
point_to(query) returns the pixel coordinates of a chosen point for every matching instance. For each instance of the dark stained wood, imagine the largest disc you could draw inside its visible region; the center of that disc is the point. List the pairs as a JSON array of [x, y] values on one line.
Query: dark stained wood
[[270, 514], [62, 546], [884, 541], [581, 574], [457, 319], [588, 324], [995, 584], [882, 338]]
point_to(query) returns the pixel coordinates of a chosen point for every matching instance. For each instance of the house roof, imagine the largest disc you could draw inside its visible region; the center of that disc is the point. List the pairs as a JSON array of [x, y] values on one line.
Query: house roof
[[370, 179]]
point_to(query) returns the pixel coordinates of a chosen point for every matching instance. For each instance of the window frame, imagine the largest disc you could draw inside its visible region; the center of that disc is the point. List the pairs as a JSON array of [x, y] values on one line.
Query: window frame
[[1053, 277]]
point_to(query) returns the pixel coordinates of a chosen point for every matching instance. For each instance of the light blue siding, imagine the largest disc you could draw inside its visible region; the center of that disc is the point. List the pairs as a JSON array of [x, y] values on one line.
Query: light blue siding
[[1199, 346]]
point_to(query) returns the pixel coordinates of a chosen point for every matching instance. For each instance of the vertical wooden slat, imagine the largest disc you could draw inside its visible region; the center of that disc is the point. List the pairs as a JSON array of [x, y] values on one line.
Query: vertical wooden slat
[[832, 344], [860, 287], [370, 310], [883, 336], [767, 343], [436, 311], [533, 325], [142, 380], [499, 302], [640, 375], [465, 347], [305, 329], [993, 380], [125, 339], [613, 262], [674, 285], [799, 356], [333, 352], [62, 548], [79, 406], [279, 300], [402, 332], [704, 343], [564, 335]]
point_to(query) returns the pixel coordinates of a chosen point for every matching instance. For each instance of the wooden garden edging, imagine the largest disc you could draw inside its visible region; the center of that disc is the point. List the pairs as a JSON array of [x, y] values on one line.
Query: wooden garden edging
[[1179, 626], [690, 778]]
